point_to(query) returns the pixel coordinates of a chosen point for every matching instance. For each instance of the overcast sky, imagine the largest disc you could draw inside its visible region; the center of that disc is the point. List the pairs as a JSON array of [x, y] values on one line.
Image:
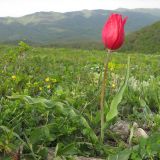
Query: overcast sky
[[22, 7]]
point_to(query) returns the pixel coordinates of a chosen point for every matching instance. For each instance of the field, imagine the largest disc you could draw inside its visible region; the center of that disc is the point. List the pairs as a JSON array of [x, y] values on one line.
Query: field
[[49, 104]]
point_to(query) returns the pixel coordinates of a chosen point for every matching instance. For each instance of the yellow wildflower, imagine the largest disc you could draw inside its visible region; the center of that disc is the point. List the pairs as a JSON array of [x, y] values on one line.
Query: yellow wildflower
[[47, 79], [49, 86], [40, 88], [113, 85], [14, 77], [111, 66]]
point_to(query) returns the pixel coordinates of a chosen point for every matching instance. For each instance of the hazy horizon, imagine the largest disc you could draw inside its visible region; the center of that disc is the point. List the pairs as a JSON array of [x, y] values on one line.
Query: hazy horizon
[[18, 8], [74, 11]]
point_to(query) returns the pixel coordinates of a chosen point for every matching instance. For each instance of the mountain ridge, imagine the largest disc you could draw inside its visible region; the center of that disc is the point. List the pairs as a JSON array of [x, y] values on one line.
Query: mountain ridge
[[55, 27]]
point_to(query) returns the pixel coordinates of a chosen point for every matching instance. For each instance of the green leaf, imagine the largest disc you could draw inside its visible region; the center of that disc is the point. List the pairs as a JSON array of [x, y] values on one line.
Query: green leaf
[[123, 155], [65, 110], [7, 130], [113, 112], [62, 149], [30, 100], [39, 135]]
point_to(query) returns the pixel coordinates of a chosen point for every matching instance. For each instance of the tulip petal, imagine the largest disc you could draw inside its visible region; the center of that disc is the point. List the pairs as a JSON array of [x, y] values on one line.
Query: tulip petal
[[125, 20], [118, 42]]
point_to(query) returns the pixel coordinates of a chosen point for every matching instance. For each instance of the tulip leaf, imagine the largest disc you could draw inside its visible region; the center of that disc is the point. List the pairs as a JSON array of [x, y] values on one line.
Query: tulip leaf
[[113, 111]]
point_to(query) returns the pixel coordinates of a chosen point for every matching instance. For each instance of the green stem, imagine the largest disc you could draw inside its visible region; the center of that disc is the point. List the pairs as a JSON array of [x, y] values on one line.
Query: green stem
[[103, 94]]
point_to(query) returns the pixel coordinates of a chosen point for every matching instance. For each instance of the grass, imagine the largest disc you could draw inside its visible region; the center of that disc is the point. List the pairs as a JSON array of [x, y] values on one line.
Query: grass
[[50, 101]]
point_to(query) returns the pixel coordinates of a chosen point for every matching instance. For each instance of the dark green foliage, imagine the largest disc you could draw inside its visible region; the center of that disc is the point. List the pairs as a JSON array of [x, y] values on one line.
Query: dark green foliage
[[146, 40]]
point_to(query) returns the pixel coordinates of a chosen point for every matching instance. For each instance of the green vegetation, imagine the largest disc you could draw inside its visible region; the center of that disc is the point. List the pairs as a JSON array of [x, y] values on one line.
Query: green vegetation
[[146, 40], [50, 104]]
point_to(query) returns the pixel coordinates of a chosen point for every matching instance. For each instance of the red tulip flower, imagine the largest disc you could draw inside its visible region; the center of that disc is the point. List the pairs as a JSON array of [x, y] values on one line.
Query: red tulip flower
[[113, 32], [113, 38]]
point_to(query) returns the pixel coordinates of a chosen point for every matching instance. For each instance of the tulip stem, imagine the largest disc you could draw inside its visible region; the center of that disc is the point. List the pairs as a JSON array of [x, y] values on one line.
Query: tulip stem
[[103, 94]]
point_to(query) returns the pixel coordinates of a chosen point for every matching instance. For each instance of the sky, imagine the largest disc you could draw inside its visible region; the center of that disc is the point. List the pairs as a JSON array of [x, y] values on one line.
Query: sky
[[16, 8]]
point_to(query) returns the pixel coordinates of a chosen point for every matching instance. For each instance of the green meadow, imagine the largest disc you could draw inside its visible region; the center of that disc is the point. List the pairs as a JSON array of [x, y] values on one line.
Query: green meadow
[[50, 104]]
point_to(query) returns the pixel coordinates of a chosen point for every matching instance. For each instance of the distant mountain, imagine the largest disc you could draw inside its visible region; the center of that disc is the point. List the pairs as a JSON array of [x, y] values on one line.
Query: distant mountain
[[85, 25], [146, 40]]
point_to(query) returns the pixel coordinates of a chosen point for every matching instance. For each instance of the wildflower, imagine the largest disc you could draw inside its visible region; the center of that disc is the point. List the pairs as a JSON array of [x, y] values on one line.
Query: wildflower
[[47, 79], [48, 86], [14, 77], [111, 66], [113, 85], [40, 88]]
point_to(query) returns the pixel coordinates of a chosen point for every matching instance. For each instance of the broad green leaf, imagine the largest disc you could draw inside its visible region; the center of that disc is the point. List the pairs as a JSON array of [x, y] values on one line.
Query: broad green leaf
[[62, 149], [123, 155], [65, 110], [113, 112], [30, 100]]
